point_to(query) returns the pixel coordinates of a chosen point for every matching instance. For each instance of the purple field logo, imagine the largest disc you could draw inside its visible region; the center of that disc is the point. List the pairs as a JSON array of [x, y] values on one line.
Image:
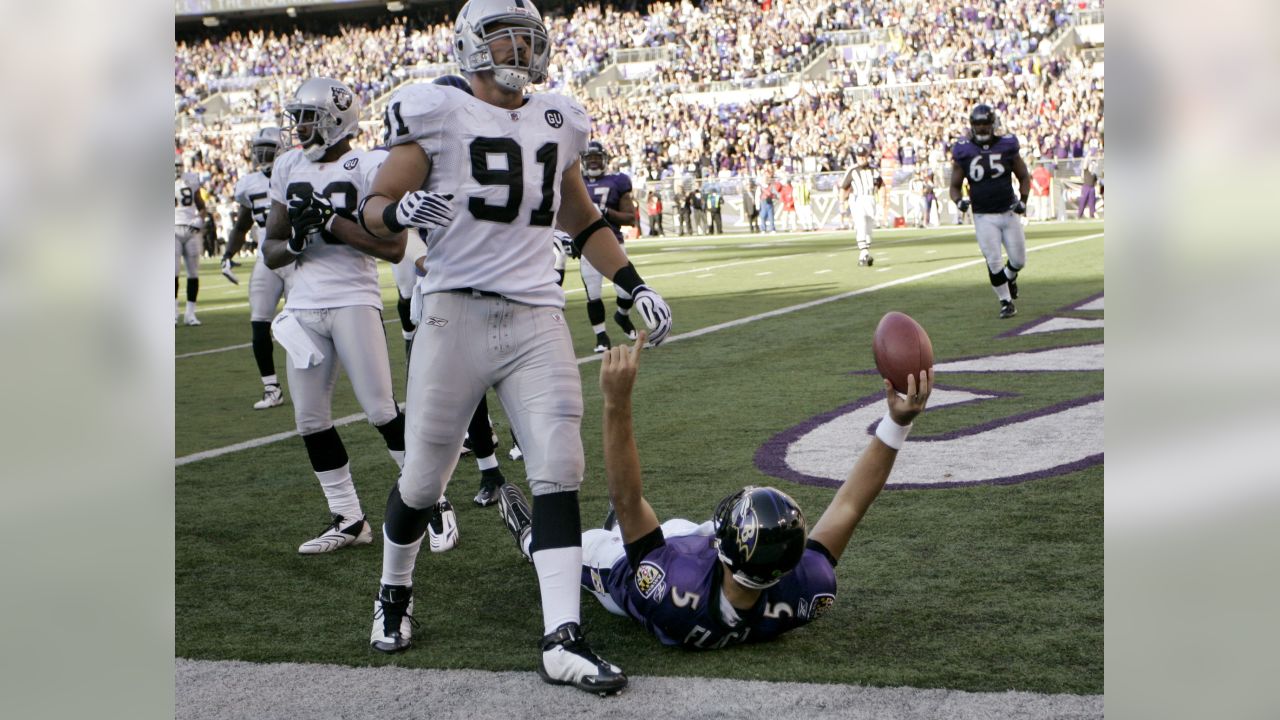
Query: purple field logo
[[1051, 441]]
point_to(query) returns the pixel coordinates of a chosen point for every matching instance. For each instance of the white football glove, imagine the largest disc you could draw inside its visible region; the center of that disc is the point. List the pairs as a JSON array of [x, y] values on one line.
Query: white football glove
[[655, 311], [426, 210], [228, 273]]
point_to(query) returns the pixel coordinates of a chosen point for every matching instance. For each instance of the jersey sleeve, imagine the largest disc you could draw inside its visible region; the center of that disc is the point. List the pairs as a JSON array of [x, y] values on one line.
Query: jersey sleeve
[[280, 176], [624, 184], [957, 152], [1015, 146], [371, 164], [241, 193], [579, 125], [417, 113]]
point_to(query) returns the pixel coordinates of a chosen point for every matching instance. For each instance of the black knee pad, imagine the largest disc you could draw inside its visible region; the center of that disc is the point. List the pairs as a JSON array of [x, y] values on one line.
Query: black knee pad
[[193, 288], [997, 278], [403, 524], [625, 303], [393, 431], [325, 449], [595, 311], [1014, 268], [556, 522]]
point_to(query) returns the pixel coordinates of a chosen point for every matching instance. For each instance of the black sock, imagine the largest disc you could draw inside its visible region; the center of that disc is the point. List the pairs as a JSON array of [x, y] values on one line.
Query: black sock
[[325, 450], [263, 349], [193, 288], [393, 432], [595, 311], [404, 525], [556, 522], [480, 430], [402, 308]]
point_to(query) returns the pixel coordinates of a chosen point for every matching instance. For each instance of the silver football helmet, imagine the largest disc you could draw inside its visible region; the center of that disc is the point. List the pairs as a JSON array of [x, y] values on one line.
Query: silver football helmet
[[266, 144], [521, 60], [177, 167], [322, 113]]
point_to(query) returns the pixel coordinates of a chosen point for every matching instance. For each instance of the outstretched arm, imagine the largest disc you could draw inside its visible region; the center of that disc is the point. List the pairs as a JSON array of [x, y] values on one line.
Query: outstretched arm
[[621, 458], [869, 474]]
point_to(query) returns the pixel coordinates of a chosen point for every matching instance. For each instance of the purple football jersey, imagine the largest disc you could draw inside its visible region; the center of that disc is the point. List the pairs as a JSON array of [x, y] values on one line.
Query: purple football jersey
[[609, 189], [675, 593], [989, 170]]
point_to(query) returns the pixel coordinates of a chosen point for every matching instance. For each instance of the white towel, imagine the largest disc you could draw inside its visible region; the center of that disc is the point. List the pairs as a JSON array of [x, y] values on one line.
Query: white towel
[[415, 303], [291, 335]]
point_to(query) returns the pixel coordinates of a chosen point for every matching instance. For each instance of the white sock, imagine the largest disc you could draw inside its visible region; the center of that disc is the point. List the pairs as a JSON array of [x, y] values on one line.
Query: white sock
[[597, 329], [270, 380], [398, 456], [191, 307], [559, 574], [487, 463], [1009, 273], [340, 491], [398, 560], [1002, 292]]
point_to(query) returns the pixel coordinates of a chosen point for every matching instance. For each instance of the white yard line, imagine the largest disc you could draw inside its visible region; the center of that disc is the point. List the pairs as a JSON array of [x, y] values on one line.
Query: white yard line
[[677, 338]]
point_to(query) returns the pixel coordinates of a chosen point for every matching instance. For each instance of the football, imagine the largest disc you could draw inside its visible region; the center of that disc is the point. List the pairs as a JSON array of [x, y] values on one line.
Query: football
[[901, 348]]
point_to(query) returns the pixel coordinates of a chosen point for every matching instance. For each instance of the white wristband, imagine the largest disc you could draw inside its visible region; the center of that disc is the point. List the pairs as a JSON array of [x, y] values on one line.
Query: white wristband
[[891, 433]]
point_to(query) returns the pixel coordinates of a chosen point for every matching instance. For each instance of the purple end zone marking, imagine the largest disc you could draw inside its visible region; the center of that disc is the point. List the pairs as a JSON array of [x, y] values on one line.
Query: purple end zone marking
[[1075, 306], [771, 457], [936, 362], [1021, 329]]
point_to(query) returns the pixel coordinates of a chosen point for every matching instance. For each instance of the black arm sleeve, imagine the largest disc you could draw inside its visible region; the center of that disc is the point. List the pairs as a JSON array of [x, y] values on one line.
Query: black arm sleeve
[[645, 545], [819, 547]]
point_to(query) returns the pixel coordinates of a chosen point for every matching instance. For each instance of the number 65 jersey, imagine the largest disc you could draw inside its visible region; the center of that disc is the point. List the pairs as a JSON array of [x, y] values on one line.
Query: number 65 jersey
[[330, 274], [989, 169], [504, 169]]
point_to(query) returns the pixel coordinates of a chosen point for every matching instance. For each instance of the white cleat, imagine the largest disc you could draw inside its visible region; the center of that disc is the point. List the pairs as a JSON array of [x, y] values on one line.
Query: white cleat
[[442, 531], [191, 320], [567, 660], [337, 536], [393, 621], [272, 396]]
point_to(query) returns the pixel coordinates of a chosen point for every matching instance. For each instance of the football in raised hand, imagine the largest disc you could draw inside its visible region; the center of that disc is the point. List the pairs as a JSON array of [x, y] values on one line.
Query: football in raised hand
[[901, 348]]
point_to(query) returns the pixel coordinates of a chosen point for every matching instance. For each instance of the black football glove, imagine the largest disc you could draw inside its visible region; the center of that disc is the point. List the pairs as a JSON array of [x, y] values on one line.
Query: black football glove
[[307, 217], [1019, 208], [963, 205]]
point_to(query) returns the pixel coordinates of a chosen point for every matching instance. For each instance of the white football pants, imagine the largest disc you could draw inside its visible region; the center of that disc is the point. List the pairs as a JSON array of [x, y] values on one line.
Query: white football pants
[[353, 336], [995, 230]]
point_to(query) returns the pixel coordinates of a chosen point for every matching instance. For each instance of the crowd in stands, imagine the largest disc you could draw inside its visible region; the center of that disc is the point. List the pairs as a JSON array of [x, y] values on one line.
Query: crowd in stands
[[957, 55]]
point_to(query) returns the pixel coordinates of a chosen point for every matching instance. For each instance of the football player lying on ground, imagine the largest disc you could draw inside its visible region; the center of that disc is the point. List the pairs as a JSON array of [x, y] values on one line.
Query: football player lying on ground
[[707, 586]]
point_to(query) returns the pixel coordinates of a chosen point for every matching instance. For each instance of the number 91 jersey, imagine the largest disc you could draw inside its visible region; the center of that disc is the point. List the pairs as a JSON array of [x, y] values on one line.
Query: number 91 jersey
[[504, 169], [989, 169]]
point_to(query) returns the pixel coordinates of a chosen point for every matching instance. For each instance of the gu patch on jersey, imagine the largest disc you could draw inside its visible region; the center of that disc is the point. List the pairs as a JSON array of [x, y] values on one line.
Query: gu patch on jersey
[[649, 580], [351, 164], [554, 118]]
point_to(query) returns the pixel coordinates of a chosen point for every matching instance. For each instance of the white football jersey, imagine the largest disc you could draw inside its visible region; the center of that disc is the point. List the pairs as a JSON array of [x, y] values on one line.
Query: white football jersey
[[503, 168], [253, 193], [330, 274], [185, 211]]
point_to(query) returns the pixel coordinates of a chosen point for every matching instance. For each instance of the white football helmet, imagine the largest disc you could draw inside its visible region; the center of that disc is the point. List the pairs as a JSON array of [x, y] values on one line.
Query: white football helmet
[[474, 38], [266, 144], [323, 112]]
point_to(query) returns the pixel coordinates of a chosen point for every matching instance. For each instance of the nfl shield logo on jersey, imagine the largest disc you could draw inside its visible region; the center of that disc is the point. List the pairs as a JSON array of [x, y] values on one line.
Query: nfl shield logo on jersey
[[554, 118], [341, 97]]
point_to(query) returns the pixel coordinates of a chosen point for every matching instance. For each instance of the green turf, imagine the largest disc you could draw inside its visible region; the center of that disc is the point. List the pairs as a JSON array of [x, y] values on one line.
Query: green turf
[[981, 588]]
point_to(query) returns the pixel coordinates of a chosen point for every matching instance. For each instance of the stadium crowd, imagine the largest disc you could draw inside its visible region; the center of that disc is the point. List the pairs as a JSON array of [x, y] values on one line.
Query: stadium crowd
[[953, 56]]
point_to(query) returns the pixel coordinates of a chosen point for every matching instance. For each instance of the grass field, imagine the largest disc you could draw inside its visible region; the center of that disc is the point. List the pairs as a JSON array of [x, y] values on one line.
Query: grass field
[[981, 588]]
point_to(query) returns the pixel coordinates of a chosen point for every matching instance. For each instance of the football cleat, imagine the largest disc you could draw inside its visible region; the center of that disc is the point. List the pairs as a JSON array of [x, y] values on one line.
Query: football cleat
[[442, 530], [516, 515], [1007, 310], [568, 660], [228, 272], [865, 260], [602, 342], [490, 481], [336, 536], [1013, 289], [393, 621], [191, 320], [624, 322], [272, 396]]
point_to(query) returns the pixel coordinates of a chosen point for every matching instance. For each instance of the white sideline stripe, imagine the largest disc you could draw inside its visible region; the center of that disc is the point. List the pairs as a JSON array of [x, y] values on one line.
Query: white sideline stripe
[[674, 338], [227, 689]]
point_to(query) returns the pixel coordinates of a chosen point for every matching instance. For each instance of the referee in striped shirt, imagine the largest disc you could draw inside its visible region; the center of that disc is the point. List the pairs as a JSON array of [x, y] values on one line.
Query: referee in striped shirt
[[857, 189]]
